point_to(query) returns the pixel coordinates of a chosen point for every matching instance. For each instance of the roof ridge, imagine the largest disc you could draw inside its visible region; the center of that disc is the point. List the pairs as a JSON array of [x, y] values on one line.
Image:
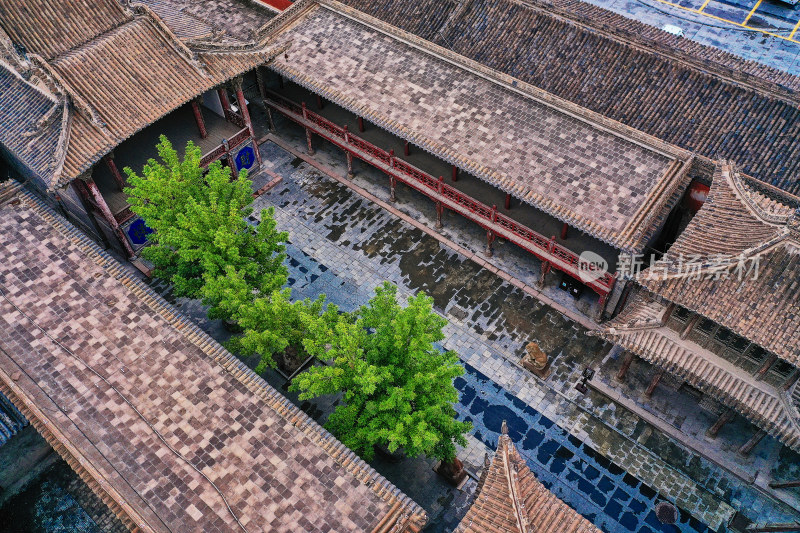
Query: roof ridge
[[517, 503], [144, 11], [732, 175], [290, 413]]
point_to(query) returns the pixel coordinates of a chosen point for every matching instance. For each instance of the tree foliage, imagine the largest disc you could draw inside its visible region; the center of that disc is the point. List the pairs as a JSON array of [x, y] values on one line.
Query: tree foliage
[[398, 387], [270, 323], [200, 226]]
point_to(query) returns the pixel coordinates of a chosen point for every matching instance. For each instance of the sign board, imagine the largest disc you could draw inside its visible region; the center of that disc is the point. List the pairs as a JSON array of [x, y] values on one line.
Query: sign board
[[137, 232], [245, 158]]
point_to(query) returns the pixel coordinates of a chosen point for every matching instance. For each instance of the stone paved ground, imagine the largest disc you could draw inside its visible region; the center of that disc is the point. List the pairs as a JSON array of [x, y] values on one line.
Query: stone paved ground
[[361, 245]]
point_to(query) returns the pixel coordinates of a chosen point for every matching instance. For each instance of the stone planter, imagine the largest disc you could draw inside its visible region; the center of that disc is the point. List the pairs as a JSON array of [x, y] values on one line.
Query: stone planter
[[453, 471], [396, 456]]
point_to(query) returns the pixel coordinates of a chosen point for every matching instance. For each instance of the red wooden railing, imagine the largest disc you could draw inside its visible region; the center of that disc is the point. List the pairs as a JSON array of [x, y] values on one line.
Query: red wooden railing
[[219, 151], [549, 250]]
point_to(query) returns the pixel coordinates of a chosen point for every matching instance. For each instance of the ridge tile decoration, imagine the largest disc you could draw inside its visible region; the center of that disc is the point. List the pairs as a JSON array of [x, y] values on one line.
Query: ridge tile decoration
[[122, 70], [737, 223], [560, 161], [131, 351], [509, 499], [694, 96]]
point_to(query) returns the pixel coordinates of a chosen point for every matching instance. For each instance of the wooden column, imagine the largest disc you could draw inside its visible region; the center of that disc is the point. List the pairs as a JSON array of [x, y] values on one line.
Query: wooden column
[[229, 159], [723, 419], [246, 114], [489, 243], [406, 148], [455, 173], [564, 228], [439, 205], [748, 446], [601, 306], [320, 103], [112, 167], [270, 119], [262, 90], [626, 364], [654, 383], [768, 362], [690, 324], [667, 313], [308, 131], [350, 173], [361, 124], [198, 119], [508, 202], [83, 195], [280, 81], [392, 188], [223, 100], [347, 154], [101, 204], [545, 269]]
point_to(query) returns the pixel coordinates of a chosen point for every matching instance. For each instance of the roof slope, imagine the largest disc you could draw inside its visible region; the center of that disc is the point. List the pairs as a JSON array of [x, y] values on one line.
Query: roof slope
[[51, 28], [155, 411], [694, 96], [638, 329], [597, 175], [122, 70], [32, 124], [214, 20], [510, 499], [745, 235]]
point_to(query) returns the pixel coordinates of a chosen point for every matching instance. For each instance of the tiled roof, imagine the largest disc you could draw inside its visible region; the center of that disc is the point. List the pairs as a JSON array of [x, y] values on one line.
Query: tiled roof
[[173, 431], [50, 28], [123, 70], [638, 329], [510, 499], [215, 20], [738, 228], [694, 96], [605, 179], [32, 125]]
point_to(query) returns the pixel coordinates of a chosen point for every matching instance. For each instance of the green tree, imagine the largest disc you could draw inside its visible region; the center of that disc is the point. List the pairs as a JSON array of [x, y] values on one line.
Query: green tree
[[200, 226], [398, 388], [271, 323]]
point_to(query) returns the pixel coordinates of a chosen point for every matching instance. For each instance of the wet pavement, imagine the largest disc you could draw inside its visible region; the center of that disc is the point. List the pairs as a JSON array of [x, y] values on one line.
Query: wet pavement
[[343, 245], [576, 472]]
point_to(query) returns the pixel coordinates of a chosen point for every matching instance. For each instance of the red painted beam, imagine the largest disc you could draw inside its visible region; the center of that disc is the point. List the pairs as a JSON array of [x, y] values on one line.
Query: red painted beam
[[280, 5]]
